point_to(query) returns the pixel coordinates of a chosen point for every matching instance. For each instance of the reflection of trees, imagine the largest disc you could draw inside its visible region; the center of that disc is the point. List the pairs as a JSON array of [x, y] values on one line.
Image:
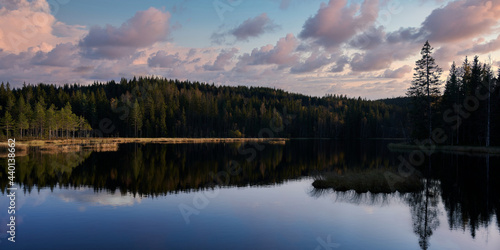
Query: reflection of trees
[[468, 190], [43, 170], [469, 195], [354, 197], [424, 211], [155, 169]]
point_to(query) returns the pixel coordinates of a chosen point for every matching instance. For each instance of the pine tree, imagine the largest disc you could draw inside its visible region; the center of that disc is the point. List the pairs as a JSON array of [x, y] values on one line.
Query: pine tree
[[39, 118], [451, 97], [136, 116], [424, 89], [50, 117], [22, 123], [7, 122]]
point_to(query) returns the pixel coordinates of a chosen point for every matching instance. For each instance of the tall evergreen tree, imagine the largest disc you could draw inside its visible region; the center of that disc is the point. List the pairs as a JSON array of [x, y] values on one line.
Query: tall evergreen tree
[[136, 117], [7, 122], [451, 98], [424, 89]]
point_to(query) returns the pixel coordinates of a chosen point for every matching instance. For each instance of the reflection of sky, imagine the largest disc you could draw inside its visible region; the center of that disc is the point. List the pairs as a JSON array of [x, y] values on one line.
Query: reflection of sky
[[88, 197], [272, 217]]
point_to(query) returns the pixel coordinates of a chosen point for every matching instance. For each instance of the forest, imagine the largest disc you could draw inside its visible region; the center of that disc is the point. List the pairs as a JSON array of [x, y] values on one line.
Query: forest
[[158, 107], [468, 111]]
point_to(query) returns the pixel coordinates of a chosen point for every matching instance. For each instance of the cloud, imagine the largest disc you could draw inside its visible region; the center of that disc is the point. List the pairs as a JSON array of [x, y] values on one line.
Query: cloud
[[381, 49], [63, 55], [223, 59], [368, 39], [281, 54], [143, 30], [460, 20], [382, 56], [163, 60], [405, 35], [253, 27], [337, 22], [29, 24], [250, 28], [10, 60], [312, 63], [370, 89], [483, 48], [340, 64], [397, 73]]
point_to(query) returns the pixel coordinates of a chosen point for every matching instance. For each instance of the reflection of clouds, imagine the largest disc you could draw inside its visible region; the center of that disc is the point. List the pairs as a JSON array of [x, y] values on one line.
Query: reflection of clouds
[[368, 210], [89, 197]]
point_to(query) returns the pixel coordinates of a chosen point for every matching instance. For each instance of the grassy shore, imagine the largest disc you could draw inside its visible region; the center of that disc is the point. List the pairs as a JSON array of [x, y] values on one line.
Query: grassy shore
[[111, 144], [404, 147]]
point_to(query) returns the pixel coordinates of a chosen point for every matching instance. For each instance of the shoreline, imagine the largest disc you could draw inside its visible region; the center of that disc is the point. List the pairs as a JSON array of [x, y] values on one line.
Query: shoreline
[[463, 149], [111, 144]]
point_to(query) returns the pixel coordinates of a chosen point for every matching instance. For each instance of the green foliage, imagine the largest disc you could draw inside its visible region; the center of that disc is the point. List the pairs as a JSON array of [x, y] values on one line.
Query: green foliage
[[158, 107], [7, 122]]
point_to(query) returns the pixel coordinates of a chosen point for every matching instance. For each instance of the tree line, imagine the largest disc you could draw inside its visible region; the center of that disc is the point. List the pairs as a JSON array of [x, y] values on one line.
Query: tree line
[[159, 107], [468, 111], [24, 115]]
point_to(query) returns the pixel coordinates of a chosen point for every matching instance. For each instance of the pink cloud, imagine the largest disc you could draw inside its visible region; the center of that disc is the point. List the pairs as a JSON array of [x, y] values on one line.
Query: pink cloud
[[483, 48], [397, 73], [144, 29], [223, 59], [337, 23], [464, 19], [30, 24], [382, 56], [163, 60], [281, 54]]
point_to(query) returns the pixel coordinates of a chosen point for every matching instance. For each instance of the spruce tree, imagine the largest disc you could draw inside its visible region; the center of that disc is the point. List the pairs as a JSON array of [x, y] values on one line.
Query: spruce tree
[[424, 89], [451, 98]]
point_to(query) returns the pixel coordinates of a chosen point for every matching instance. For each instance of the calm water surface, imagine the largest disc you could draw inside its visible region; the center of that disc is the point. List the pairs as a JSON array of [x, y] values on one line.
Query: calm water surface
[[234, 196]]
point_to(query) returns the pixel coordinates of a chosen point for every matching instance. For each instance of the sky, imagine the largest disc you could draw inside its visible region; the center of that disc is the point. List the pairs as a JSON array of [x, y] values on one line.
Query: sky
[[349, 47]]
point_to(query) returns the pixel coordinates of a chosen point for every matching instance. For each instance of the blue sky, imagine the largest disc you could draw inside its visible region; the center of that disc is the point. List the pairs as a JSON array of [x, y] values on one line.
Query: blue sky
[[361, 48]]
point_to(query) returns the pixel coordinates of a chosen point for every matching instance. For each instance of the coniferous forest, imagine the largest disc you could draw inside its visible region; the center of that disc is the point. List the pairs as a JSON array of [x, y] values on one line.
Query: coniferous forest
[[157, 107], [468, 110]]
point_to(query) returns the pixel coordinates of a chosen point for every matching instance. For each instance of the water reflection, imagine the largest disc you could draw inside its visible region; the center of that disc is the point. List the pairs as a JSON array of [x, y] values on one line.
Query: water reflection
[[462, 183], [459, 187], [87, 197]]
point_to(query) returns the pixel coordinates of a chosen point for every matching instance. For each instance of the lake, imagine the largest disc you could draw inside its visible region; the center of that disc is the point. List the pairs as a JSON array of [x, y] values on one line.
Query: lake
[[252, 196]]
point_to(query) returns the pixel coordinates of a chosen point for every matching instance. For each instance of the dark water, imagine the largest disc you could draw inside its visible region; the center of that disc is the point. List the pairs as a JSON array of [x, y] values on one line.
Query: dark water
[[233, 196]]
